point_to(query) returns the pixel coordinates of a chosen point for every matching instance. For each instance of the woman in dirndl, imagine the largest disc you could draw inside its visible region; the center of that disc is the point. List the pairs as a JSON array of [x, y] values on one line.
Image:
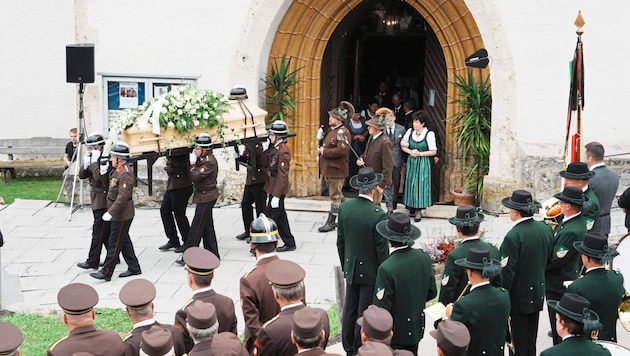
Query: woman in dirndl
[[419, 143]]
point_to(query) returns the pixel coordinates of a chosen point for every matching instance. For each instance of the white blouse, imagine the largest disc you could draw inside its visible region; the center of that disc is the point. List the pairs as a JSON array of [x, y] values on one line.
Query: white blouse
[[429, 134]]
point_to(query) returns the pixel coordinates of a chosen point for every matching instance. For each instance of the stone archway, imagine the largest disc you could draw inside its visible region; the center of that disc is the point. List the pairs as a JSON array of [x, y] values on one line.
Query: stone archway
[[303, 35]]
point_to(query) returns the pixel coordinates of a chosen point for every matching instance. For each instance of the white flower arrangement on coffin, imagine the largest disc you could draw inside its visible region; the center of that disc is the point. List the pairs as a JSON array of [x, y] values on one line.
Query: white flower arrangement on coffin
[[185, 108]]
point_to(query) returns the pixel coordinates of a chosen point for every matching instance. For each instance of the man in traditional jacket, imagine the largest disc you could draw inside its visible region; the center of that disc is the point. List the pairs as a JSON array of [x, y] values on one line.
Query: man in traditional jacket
[[378, 154], [333, 159], [524, 254], [454, 279], [563, 264], [404, 282], [603, 288], [485, 309], [361, 250], [578, 175], [604, 184]]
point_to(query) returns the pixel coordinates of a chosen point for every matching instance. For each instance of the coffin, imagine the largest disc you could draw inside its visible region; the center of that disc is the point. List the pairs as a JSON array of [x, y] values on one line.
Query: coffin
[[238, 125]]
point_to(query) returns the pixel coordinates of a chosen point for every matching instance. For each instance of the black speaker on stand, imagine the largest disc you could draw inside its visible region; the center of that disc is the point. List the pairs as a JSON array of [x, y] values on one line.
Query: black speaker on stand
[[79, 69]]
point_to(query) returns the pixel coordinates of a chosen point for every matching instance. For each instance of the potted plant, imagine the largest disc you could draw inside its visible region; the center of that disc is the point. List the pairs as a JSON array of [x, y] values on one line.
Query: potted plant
[[471, 125], [280, 88]]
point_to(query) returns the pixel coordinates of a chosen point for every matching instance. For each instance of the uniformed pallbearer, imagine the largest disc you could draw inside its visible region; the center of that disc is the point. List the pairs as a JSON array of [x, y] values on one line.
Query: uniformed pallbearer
[[138, 295], [308, 332], [120, 211], [156, 341], [10, 339], [603, 288], [333, 159], [77, 301], [202, 325], [404, 282]]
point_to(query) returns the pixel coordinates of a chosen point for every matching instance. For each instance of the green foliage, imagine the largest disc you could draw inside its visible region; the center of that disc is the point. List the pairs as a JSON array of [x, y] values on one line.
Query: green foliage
[[280, 88], [41, 332], [334, 321], [471, 125], [40, 188]]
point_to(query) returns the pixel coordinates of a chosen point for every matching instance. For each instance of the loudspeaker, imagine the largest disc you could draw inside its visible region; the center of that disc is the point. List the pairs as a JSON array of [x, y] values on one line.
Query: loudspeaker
[[80, 63]]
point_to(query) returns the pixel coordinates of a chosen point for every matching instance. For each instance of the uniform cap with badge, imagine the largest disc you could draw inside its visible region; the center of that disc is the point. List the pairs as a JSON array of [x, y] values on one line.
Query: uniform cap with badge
[[377, 323], [10, 338], [284, 273], [201, 315], [77, 298], [451, 336], [157, 341], [137, 294], [200, 261]]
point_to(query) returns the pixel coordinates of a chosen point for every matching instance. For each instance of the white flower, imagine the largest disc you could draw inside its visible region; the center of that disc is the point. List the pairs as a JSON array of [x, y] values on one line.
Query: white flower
[[170, 125], [196, 122], [206, 115], [180, 112]]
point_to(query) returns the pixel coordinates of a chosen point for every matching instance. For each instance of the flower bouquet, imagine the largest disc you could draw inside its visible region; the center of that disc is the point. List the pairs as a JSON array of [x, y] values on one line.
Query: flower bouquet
[[175, 118], [439, 248]]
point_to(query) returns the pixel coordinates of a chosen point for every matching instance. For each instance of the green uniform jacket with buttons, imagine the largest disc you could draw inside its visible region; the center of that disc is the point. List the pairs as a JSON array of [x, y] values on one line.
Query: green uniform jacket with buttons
[[563, 264], [604, 289], [576, 345], [524, 254], [404, 283], [361, 249], [454, 279], [485, 312]]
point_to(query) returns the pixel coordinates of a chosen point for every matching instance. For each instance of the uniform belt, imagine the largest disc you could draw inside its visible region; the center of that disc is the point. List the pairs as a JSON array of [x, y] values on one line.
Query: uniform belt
[[99, 190], [112, 199]]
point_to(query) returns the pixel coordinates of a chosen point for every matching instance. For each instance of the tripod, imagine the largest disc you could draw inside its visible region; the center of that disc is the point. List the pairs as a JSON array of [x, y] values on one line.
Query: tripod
[[76, 157]]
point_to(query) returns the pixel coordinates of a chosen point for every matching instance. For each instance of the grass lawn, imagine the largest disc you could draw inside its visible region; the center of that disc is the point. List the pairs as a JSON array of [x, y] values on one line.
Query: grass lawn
[[41, 188], [41, 332]]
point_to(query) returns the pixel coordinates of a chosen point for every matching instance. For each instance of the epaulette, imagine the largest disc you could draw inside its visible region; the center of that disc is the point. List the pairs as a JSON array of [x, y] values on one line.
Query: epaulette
[[250, 271], [57, 343], [187, 304], [271, 320], [130, 334]]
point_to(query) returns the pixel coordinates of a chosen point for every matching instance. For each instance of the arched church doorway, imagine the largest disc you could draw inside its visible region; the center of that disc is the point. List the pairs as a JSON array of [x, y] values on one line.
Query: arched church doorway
[[384, 50], [304, 34]]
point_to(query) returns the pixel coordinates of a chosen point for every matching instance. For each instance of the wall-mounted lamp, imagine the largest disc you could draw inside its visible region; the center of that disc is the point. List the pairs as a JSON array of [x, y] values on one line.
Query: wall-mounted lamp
[[478, 59]]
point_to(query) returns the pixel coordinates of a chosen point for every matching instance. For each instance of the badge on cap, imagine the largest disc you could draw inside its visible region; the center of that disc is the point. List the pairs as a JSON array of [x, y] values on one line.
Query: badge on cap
[[562, 251]]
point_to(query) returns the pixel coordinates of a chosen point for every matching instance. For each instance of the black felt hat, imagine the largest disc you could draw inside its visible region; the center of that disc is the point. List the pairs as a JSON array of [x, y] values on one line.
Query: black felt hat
[[573, 195], [521, 200], [466, 215], [595, 245], [577, 308], [478, 258], [366, 180], [577, 170], [398, 228]]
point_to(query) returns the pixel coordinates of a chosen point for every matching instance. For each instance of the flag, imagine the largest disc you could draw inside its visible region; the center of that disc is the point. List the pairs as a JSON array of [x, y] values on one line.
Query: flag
[[572, 144]]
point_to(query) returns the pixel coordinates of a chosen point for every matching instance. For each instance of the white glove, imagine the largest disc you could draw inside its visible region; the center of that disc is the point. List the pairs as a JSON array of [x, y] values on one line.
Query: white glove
[[265, 145], [107, 216], [96, 155], [192, 157], [275, 202], [86, 160], [104, 168], [320, 134]]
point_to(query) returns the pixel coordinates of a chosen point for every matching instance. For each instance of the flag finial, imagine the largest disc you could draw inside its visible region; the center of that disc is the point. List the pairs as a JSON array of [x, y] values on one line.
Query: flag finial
[[579, 23]]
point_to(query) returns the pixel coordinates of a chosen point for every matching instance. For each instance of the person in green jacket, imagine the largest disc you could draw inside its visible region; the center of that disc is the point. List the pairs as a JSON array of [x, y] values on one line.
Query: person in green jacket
[[485, 309], [361, 251], [563, 264], [524, 254], [575, 321], [601, 287], [577, 174], [454, 279], [404, 282]]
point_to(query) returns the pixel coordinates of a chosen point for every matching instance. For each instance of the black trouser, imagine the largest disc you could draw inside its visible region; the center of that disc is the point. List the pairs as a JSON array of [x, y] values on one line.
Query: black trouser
[[279, 215], [395, 185], [119, 241], [252, 194], [358, 298], [203, 227], [174, 205], [100, 237], [524, 332], [552, 315]]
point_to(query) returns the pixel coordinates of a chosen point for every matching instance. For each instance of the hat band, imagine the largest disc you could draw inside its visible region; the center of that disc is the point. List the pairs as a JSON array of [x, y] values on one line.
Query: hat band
[[263, 233], [199, 273], [139, 307], [285, 286], [77, 312]]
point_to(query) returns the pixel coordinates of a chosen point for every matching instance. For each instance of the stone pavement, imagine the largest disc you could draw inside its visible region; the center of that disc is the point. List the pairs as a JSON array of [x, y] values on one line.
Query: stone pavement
[[42, 247]]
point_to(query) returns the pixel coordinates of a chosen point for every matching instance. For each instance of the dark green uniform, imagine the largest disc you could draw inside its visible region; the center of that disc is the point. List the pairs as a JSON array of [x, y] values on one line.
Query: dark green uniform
[[524, 254], [590, 209], [454, 279], [485, 312], [576, 345], [604, 289], [404, 283]]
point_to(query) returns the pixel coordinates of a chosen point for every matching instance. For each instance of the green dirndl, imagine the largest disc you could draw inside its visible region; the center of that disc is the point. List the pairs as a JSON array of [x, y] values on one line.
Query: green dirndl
[[418, 177]]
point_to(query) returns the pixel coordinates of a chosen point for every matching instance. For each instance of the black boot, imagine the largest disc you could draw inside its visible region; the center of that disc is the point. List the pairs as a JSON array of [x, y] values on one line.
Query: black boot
[[330, 224]]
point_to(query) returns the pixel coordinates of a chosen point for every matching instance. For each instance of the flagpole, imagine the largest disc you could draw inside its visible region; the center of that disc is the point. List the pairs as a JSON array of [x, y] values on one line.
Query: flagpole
[[579, 22], [572, 143]]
